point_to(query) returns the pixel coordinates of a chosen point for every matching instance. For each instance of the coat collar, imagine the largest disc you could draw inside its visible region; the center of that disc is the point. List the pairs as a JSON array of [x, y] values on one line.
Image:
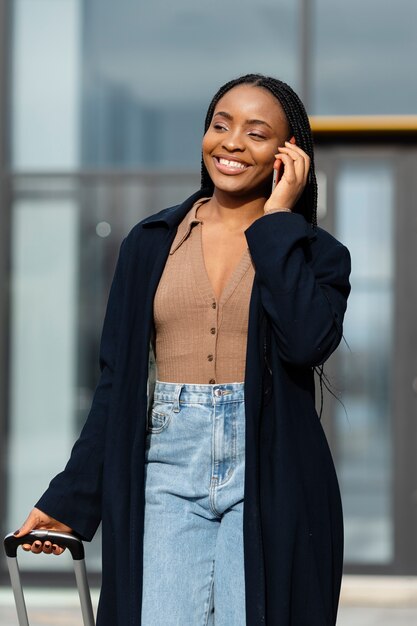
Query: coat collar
[[172, 216]]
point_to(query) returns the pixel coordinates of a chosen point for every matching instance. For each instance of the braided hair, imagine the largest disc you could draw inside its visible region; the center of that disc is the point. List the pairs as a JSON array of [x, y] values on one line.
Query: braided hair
[[299, 127]]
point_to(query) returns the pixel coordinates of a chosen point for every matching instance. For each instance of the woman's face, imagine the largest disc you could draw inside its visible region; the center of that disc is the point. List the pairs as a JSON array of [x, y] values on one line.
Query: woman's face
[[247, 127]]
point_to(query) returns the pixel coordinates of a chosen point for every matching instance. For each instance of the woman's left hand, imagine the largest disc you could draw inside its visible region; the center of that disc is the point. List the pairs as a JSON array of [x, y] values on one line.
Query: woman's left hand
[[296, 164]]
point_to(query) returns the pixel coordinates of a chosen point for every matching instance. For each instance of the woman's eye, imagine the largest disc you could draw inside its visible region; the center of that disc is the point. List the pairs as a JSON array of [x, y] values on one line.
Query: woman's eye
[[219, 127], [256, 135]]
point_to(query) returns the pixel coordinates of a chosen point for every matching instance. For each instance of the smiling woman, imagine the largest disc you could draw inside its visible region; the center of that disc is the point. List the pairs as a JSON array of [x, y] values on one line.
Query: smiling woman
[[239, 295]]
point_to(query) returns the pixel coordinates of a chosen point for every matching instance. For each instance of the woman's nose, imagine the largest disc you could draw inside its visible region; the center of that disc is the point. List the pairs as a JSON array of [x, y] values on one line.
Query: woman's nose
[[233, 141]]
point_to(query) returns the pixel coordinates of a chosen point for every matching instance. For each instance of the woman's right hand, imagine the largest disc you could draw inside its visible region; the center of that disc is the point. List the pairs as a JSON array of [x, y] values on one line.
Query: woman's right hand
[[38, 520]]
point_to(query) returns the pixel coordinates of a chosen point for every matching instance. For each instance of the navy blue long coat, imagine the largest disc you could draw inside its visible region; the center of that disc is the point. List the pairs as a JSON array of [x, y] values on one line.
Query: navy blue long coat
[[293, 530]]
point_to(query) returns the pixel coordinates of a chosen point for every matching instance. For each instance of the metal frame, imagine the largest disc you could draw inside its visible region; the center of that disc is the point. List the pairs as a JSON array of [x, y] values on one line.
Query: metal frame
[[306, 23], [404, 430], [5, 23]]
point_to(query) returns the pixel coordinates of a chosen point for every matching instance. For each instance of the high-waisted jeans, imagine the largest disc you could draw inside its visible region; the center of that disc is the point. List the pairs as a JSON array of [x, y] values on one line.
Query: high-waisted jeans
[[193, 568]]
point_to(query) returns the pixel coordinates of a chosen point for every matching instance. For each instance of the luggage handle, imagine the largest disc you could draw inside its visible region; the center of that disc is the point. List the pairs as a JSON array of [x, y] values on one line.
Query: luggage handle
[[64, 540]]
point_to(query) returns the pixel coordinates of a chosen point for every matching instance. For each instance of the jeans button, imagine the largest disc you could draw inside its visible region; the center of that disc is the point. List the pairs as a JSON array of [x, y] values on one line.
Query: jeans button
[[218, 392]]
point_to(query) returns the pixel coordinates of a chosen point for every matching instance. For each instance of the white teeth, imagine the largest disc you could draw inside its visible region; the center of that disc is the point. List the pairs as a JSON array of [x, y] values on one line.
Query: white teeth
[[232, 163]]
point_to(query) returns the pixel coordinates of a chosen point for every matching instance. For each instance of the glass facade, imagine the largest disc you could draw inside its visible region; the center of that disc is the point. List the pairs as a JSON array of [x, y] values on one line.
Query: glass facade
[[362, 57], [365, 197], [43, 345], [66, 236], [46, 84], [106, 111], [150, 71]]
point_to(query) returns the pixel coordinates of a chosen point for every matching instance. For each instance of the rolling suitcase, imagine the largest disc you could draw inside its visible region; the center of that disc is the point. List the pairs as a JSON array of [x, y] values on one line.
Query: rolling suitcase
[[76, 548]]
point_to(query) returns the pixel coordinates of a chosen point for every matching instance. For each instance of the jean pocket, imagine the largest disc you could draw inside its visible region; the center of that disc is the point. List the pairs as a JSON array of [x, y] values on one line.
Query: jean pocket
[[159, 417]]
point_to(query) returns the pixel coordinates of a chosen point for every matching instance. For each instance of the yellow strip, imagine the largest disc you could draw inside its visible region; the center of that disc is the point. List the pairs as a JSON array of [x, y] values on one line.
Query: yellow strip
[[363, 123]]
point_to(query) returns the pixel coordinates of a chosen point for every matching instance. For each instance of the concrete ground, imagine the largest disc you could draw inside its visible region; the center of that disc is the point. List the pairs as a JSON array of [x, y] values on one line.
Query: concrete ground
[[348, 617], [366, 616], [365, 602]]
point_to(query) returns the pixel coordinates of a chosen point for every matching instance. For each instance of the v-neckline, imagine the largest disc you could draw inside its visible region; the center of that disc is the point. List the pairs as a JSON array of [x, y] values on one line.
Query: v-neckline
[[234, 279]]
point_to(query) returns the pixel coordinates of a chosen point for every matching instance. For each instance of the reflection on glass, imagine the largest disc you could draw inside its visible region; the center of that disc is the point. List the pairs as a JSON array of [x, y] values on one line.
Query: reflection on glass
[[364, 54], [43, 350], [46, 84], [364, 200], [151, 69], [64, 253]]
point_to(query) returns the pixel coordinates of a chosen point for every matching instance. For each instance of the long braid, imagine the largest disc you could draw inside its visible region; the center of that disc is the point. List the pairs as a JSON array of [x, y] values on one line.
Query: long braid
[[299, 127]]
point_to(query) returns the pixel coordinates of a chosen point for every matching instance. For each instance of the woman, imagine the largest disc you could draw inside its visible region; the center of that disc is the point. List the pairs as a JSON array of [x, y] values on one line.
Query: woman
[[241, 295]]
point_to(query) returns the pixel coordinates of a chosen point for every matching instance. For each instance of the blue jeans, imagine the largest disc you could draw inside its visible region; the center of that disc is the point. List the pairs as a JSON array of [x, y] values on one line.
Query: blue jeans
[[193, 568]]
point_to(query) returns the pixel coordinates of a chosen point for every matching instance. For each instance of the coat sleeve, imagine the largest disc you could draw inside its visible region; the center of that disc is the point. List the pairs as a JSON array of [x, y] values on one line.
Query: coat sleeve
[[303, 291], [74, 496]]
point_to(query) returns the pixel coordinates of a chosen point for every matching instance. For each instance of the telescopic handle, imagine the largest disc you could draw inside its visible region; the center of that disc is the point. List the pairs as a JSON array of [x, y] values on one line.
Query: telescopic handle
[[64, 540]]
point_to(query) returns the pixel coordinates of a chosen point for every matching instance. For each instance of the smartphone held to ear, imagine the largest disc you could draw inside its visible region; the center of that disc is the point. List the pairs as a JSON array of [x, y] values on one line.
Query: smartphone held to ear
[[274, 180], [278, 171], [275, 177]]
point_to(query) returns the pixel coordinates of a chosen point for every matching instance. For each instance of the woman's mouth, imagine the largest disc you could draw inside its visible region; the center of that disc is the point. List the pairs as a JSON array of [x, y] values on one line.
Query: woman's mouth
[[229, 166]]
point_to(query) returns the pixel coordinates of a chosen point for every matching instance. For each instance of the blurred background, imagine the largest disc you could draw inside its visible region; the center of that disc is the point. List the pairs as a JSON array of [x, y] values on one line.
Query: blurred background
[[102, 107]]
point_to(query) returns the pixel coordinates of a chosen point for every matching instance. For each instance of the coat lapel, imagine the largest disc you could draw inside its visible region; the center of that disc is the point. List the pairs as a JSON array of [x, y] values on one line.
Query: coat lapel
[[164, 226]]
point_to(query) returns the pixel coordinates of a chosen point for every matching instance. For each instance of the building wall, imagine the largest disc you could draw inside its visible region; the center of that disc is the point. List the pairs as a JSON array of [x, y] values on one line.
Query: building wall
[[101, 116]]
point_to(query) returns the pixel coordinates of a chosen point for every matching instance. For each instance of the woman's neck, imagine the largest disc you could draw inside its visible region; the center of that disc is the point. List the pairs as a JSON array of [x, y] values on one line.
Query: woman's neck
[[234, 212]]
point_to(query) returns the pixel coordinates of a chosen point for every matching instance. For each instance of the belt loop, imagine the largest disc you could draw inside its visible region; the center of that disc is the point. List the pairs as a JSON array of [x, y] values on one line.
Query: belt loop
[[177, 393]]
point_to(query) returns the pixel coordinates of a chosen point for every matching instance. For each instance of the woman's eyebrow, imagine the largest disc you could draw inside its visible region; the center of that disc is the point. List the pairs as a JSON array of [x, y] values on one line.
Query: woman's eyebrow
[[248, 122], [255, 121]]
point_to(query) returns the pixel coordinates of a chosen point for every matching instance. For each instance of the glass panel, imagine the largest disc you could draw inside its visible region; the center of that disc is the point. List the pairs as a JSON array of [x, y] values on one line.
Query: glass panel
[[364, 201], [66, 237], [46, 84], [43, 301], [151, 69], [364, 57]]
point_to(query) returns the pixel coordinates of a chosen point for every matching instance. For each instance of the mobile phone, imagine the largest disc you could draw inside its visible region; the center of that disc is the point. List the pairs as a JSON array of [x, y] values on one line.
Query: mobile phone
[[274, 180], [277, 173], [275, 177]]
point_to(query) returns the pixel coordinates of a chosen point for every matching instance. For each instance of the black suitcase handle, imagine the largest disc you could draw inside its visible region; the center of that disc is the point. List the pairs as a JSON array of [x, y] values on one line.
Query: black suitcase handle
[[64, 540]]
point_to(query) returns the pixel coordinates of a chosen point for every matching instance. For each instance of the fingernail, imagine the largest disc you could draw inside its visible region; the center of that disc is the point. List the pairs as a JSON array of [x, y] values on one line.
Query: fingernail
[[37, 544], [16, 532]]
